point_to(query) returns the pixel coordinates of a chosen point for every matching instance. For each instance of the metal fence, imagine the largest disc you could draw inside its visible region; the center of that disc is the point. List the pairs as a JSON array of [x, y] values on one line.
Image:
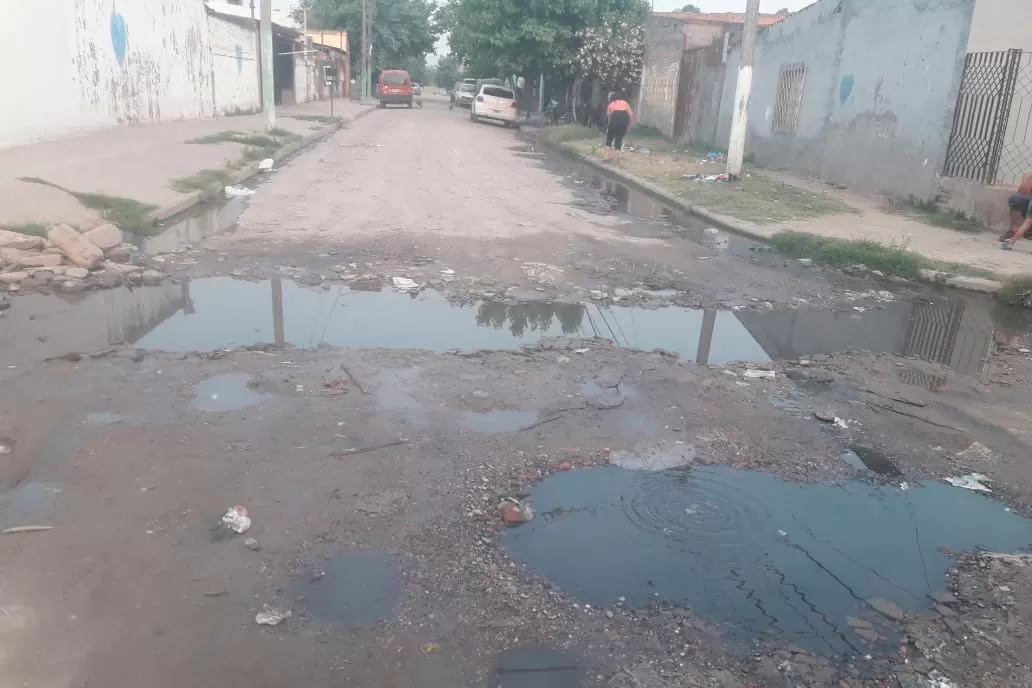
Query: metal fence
[[991, 141]]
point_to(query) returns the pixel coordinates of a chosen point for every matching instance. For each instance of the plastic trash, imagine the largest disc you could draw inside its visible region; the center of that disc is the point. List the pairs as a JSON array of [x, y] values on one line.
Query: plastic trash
[[236, 519], [971, 481], [714, 156], [404, 284], [272, 616], [712, 231], [758, 374], [238, 192], [644, 150], [266, 165]]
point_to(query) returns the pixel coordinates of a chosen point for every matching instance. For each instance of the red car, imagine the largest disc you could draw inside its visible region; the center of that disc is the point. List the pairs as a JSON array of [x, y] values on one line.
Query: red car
[[395, 88]]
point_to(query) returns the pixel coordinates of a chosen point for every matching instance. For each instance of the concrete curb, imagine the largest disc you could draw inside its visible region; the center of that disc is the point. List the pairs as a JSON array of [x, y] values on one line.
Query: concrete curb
[[975, 284], [196, 198]]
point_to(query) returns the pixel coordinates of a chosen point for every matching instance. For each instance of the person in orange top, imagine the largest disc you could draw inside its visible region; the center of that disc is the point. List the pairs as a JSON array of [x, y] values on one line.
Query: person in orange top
[[620, 118]]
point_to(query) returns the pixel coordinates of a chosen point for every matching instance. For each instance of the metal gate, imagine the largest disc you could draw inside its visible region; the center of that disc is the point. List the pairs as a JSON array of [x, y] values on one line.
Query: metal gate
[[981, 116]]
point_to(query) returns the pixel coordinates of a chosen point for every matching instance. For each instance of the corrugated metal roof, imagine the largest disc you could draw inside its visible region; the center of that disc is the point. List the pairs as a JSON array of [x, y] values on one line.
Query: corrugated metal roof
[[721, 17]]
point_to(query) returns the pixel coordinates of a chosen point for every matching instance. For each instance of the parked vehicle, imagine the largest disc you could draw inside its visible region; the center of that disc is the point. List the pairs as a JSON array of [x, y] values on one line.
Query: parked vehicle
[[394, 88], [464, 96], [496, 104]]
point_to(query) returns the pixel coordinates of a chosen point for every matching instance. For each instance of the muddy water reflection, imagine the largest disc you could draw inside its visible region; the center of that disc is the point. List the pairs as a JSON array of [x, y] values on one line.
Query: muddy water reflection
[[757, 553]]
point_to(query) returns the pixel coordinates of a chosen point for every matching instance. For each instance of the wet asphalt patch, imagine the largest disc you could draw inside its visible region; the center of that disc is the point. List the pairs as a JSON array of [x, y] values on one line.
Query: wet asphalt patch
[[351, 589]]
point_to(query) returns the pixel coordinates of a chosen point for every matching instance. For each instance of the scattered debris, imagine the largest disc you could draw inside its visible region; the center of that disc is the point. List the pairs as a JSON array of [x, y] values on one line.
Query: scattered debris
[[404, 284], [365, 450], [236, 519], [6, 446], [805, 262], [841, 423], [252, 544], [515, 513], [272, 616], [825, 414], [976, 452], [266, 165], [238, 192], [27, 529], [971, 481], [759, 374], [428, 649], [886, 608]]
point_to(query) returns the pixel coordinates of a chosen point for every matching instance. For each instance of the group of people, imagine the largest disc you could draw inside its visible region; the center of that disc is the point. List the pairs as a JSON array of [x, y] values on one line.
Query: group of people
[[1020, 214]]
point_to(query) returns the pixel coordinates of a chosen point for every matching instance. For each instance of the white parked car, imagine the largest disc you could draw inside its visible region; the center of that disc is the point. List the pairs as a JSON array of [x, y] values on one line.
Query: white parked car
[[496, 104]]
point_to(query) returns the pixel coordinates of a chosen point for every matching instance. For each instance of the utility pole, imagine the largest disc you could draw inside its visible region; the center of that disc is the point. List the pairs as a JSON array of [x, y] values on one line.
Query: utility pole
[[740, 114], [365, 49], [268, 69]]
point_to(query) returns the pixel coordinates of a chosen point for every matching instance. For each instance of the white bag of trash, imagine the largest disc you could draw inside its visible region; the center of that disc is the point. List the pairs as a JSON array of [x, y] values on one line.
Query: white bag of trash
[[238, 192], [971, 481], [266, 165]]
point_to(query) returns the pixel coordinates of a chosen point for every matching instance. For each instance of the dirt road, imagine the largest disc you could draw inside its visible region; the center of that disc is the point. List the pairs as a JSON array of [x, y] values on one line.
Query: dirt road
[[538, 463]]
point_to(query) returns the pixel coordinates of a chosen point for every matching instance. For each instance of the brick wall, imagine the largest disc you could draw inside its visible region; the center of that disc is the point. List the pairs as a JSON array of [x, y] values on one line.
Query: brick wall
[[664, 42]]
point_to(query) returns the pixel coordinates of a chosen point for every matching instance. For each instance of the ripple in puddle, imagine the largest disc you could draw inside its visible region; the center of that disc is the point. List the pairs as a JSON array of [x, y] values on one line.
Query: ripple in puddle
[[226, 393], [757, 553], [355, 590]]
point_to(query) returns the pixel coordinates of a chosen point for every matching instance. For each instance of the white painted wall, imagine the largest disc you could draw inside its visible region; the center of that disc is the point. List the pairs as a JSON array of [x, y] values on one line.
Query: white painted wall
[[304, 86], [1001, 25], [234, 50], [78, 65]]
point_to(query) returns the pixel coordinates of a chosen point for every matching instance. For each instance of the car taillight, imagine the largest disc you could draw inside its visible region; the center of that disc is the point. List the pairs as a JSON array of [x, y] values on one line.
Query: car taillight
[[480, 99]]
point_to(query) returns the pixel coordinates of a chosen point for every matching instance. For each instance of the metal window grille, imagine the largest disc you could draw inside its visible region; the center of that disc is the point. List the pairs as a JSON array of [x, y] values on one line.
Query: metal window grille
[[790, 98], [982, 120]]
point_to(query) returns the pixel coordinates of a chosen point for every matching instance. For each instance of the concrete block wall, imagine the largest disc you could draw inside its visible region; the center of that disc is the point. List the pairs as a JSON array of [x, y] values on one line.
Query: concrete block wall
[[236, 64], [664, 41], [76, 66], [877, 106]]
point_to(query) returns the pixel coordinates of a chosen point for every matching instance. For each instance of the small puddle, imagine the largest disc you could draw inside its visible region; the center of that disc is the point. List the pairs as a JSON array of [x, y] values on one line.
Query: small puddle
[[28, 503], [490, 422], [193, 227], [759, 554], [226, 393], [222, 312], [355, 590], [535, 667], [866, 458]]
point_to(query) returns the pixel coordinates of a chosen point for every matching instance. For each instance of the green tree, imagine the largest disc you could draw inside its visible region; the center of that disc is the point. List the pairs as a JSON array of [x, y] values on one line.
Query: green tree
[[501, 37], [448, 72], [691, 9], [404, 31]]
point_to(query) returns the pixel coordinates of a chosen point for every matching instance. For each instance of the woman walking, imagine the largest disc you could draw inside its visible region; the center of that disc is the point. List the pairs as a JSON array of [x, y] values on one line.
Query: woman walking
[[620, 118]]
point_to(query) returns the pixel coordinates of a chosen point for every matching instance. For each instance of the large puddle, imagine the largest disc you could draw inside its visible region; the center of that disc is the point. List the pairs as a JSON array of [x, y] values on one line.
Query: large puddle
[[754, 552], [222, 312]]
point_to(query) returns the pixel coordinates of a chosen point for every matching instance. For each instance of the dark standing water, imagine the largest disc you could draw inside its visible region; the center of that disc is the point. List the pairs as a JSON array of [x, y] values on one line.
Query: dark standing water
[[194, 227], [356, 590], [752, 551], [534, 667]]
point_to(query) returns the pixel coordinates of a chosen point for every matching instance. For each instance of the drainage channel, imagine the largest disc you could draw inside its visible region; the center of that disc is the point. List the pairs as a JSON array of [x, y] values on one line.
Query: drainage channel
[[222, 312]]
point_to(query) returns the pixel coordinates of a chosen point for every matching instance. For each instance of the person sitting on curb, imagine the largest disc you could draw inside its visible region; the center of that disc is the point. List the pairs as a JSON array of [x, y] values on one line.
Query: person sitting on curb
[[1020, 210]]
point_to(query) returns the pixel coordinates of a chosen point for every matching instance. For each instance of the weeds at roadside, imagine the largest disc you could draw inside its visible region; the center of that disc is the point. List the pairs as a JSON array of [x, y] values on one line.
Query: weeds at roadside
[[29, 228], [892, 261], [1017, 291], [571, 132], [205, 181], [125, 213], [325, 119], [930, 213]]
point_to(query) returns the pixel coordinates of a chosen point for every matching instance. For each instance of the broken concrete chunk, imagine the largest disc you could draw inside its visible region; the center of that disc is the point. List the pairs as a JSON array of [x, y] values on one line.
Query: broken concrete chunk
[[105, 237], [152, 277], [13, 277], [19, 241], [77, 273], [28, 259], [79, 250], [886, 608]]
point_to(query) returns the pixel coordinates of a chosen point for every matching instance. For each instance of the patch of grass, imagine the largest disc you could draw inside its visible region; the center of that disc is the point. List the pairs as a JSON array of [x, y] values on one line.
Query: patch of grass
[[959, 269], [204, 181], [325, 119], [29, 228], [221, 137], [1017, 291], [276, 138], [569, 132], [841, 253], [930, 213], [253, 153], [125, 213]]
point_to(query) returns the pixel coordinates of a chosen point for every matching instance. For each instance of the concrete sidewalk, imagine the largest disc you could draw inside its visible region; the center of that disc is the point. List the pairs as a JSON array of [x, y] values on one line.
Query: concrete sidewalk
[[137, 162]]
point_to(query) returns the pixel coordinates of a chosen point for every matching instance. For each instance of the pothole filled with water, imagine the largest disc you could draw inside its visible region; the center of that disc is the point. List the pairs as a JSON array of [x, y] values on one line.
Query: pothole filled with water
[[222, 312], [757, 553], [354, 589], [226, 393]]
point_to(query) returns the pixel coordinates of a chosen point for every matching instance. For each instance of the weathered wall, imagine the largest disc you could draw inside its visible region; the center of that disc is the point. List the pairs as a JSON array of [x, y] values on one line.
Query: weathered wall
[[879, 93], [89, 64], [664, 41], [237, 78], [1001, 25], [704, 83]]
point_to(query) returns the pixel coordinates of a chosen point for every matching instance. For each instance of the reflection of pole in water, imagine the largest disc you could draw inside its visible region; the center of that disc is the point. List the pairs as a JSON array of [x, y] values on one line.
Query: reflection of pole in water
[[188, 307], [277, 312], [709, 319]]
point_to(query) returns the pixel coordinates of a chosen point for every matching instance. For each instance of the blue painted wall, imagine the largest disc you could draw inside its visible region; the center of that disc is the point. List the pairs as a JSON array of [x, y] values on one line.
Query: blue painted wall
[[881, 83]]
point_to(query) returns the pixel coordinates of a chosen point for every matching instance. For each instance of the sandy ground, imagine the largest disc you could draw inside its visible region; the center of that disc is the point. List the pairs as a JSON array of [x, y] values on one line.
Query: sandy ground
[[132, 457]]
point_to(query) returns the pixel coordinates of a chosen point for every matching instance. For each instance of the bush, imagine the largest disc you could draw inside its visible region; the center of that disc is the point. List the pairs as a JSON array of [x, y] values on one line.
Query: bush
[[842, 253]]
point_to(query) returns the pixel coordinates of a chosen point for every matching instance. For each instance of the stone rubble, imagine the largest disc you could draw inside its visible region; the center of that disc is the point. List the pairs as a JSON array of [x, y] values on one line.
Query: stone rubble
[[70, 262]]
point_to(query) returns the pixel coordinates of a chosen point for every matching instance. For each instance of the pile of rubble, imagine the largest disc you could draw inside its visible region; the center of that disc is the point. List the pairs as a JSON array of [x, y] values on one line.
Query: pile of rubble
[[70, 260]]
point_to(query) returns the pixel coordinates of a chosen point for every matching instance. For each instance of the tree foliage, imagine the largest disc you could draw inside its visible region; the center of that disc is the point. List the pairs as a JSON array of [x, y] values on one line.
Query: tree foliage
[[448, 72], [495, 37], [614, 50], [691, 9], [404, 31]]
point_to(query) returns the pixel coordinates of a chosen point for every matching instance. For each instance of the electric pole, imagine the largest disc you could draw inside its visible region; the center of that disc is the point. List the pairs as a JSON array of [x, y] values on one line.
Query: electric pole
[[268, 69], [740, 114]]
